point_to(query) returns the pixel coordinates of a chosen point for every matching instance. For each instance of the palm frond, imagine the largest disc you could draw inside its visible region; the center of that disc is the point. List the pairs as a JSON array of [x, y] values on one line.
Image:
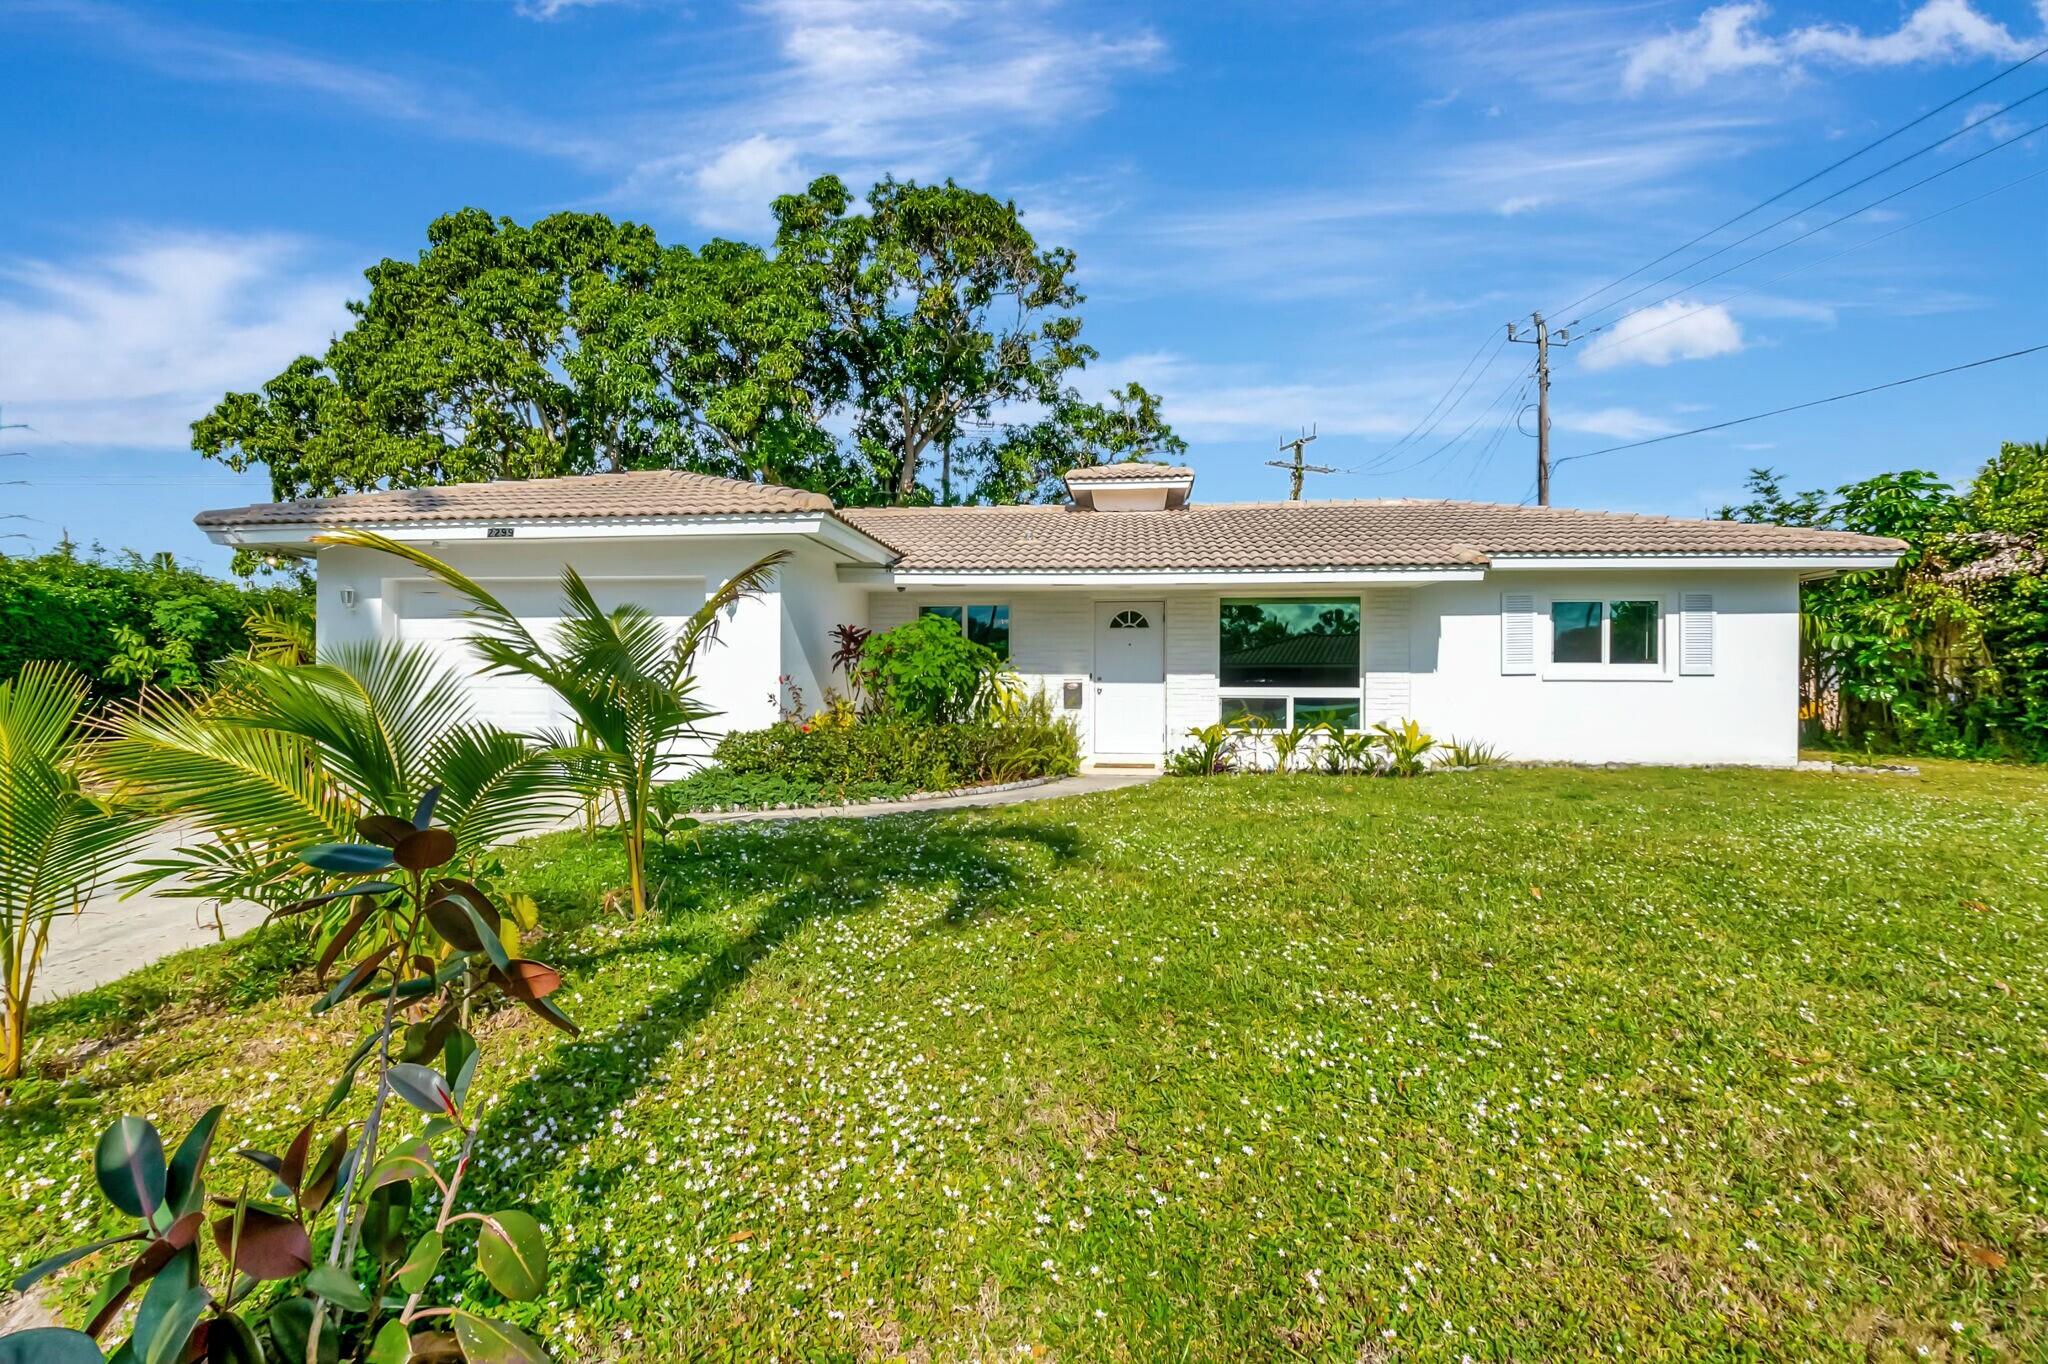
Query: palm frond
[[702, 626], [486, 610], [495, 787], [231, 778], [57, 844]]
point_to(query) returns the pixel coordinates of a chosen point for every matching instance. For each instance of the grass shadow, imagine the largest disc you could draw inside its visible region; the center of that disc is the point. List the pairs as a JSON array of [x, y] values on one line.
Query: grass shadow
[[808, 871]]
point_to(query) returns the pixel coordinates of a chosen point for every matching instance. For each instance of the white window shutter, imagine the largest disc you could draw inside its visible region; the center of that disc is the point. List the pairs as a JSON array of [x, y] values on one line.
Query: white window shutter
[[1517, 633], [1696, 634]]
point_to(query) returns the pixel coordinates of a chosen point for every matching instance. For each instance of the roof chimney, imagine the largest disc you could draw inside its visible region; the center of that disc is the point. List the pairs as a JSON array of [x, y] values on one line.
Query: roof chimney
[[1130, 487]]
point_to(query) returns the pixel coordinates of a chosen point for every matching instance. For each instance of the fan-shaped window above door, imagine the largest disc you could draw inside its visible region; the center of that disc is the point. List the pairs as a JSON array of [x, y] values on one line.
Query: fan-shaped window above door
[[1129, 620]]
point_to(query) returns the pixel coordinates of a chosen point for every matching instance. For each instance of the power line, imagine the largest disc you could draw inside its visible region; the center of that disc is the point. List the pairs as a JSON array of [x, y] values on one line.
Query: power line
[[1454, 440], [1500, 432], [1380, 460], [1836, 194], [1800, 407], [1808, 265], [1440, 397], [1792, 189], [1815, 231]]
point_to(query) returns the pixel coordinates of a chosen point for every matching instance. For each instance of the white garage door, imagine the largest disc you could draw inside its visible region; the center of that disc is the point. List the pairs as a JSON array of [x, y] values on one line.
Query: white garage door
[[432, 615]]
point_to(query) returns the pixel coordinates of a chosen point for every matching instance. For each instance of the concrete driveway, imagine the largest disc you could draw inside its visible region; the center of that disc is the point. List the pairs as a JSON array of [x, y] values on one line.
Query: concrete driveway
[[111, 937]]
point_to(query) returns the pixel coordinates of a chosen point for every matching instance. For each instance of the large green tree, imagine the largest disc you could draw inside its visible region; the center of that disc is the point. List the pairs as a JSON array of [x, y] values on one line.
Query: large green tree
[[942, 307], [581, 345], [1025, 462], [463, 365], [1948, 651]]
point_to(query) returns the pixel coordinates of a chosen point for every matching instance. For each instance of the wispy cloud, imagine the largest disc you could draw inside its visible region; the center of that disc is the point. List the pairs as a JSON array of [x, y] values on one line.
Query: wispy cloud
[[194, 52], [1731, 39], [1659, 335], [921, 88], [1615, 423], [128, 347]]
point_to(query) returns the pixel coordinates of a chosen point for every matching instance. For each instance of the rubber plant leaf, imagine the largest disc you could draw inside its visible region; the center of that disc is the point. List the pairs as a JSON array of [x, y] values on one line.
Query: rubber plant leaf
[[130, 1164], [513, 1255]]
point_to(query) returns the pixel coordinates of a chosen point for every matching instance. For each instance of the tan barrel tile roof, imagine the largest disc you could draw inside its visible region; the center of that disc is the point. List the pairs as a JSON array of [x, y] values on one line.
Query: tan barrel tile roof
[[1383, 534], [1251, 535], [1116, 473], [657, 493]]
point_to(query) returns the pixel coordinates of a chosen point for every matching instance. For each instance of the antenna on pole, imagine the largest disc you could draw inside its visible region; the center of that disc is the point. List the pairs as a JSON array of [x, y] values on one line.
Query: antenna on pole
[[1295, 467]]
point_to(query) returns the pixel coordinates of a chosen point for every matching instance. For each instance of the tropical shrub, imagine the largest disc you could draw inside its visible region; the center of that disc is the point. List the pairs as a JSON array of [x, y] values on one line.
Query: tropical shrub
[[629, 683], [1946, 653], [57, 843], [279, 756], [127, 621], [906, 755], [1468, 753], [1297, 741], [278, 1293], [1403, 747], [1343, 752], [1213, 751], [928, 672]]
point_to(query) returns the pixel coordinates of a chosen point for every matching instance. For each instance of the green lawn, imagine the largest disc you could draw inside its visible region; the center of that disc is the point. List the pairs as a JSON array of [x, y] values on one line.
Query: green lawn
[[1515, 1064]]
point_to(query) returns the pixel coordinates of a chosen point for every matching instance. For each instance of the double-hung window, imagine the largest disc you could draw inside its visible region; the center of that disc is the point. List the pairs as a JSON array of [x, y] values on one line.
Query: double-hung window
[[1290, 661], [988, 626], [1612, 636]]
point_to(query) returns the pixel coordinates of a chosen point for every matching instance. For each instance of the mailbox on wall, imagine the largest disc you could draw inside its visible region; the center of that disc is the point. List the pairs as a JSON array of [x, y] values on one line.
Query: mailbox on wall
[[1070, 695]]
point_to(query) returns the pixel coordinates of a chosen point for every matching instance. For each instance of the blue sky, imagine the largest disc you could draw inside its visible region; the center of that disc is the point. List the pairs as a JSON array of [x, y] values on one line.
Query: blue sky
[[1286, 212]]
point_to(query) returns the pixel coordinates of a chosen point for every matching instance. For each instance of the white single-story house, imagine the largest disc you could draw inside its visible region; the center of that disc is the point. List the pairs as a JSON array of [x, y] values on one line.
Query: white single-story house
[[1550, 633]]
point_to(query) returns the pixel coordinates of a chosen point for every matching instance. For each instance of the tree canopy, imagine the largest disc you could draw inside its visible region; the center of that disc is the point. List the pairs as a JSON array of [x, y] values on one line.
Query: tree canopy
[[900, 350], [1946, 653]]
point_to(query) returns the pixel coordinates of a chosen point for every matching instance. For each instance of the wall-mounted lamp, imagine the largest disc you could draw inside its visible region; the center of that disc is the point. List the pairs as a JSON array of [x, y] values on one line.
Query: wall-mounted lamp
[[348, 598]]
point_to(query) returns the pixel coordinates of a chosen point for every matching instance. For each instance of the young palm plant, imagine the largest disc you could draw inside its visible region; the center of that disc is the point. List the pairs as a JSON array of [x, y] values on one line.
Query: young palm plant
[[283, 756], [57, 843], [1296, 741], [630, 684]]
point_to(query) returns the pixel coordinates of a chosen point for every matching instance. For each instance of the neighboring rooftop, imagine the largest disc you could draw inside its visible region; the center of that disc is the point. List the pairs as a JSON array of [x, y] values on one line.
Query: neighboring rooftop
[[654, 492], [1335, 535]]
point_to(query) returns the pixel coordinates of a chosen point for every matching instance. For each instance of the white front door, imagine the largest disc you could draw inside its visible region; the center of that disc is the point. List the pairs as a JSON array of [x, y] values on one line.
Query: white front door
[[1130, 681]]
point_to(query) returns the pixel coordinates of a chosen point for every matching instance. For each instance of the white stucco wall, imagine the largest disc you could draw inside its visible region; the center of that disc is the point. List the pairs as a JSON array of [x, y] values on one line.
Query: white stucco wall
[[1433, 653], [783, 631], [1747, 711]]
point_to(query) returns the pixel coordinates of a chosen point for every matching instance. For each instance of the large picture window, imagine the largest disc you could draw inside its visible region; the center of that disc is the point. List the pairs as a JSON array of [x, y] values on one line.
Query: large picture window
[[988, 626], [1284, 643], [1290, 661]]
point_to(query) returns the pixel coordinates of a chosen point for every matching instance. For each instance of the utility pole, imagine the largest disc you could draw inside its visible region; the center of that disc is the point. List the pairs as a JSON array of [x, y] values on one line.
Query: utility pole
[[1543, 340], [1295, 467]]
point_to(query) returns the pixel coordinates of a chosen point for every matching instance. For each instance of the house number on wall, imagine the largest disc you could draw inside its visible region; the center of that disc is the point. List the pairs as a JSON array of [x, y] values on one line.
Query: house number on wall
[[497, 532]]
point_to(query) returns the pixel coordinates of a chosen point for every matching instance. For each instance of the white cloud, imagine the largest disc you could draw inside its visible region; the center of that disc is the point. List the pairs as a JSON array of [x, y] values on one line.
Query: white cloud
[[864, 88], [1729, 39], [1225, 402], [1616, 423], [1658, 335], [129, 347], [735, 187]]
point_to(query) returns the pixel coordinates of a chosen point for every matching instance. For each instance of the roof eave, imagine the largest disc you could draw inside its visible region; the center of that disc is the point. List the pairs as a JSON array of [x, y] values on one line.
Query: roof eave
[[826, 526], [1158, 578], [1820, 561]]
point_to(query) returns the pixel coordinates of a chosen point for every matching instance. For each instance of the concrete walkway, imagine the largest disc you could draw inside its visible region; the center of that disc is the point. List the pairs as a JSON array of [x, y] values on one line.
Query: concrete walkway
[[111, 937], [970, 800]]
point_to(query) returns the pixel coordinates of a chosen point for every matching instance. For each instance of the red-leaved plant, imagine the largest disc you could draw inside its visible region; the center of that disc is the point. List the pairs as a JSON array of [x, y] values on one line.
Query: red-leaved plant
[[229, 1272]]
